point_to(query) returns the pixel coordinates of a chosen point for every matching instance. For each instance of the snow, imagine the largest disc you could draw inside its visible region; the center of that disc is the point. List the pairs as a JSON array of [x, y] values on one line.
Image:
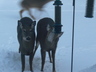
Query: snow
[[84, 41]]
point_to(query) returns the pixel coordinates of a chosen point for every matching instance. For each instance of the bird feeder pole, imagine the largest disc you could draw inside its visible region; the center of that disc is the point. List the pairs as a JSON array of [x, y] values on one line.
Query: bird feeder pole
[[57, 24], [72, 54]]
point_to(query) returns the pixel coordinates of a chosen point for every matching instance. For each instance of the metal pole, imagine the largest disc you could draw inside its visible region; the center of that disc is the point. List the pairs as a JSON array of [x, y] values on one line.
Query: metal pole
[[57, 24], [72, 54]]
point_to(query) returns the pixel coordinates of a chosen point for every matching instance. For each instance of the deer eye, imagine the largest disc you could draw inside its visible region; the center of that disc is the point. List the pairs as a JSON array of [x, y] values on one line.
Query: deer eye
[[24, 30], [30, 30]]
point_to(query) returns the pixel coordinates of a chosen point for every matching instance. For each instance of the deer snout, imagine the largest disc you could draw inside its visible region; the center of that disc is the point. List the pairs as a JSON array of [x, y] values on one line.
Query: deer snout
[[28, 38]]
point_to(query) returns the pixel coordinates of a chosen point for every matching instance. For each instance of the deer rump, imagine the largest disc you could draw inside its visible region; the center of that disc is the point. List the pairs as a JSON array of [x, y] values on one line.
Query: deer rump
[[45, 35], [47, 39]]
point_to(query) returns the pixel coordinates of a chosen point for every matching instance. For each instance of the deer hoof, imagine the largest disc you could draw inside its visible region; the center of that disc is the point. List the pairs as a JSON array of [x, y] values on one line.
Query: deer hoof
[[41, 70], [54, 71], [51, 61], [31, 70]]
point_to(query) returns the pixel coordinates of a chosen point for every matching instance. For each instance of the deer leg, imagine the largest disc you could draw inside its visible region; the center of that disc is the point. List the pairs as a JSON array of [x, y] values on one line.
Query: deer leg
[[31, 14], [30, 62], [34, 51], [50, 57], [19, 49], [43, 54], [23, 61], [42, 10], [21, 11], [53, 57], [36, 47]]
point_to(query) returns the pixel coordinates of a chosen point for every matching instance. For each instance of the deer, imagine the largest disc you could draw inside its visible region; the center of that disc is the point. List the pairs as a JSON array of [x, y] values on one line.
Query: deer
[[27, 4], [26, 39], [47, 40]]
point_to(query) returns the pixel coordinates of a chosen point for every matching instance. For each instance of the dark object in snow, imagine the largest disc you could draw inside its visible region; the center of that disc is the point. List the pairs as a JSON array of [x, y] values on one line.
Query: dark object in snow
[[48, 40], [26, 39]]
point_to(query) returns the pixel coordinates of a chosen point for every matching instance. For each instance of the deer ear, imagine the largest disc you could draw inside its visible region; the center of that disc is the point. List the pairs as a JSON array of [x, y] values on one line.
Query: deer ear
[[20, 24], [34, 22], [60, 34], [48, 27]]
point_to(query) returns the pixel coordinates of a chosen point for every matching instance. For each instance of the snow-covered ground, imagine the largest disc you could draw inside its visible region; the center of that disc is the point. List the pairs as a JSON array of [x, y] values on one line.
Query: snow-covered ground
[[84, 42]]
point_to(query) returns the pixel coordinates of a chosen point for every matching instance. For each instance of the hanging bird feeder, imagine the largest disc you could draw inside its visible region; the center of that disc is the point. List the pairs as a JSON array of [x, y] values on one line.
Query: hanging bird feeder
[[57, 24], [89, 8]]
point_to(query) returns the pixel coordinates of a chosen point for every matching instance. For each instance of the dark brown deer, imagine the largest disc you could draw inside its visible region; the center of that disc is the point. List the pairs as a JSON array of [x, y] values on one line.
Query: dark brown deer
[[26, 39], [47, 39], [27, 4]]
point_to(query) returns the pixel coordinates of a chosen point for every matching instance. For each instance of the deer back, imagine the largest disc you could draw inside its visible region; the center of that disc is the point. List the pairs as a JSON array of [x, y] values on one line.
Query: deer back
[[34, 3], [42, 28], [43, 32]]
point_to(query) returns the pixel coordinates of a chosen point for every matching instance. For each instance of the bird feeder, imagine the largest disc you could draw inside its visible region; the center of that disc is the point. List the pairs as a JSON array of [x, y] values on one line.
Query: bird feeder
[[57, 25], [89, 8]]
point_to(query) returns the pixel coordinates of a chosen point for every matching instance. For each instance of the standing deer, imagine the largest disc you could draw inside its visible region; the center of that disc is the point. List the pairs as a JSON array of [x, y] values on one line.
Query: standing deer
[[27, 4], [47, 39], [26, 39]]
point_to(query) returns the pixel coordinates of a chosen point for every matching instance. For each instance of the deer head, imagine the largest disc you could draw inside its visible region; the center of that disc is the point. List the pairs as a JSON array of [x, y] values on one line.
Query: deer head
[[27, 30]]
